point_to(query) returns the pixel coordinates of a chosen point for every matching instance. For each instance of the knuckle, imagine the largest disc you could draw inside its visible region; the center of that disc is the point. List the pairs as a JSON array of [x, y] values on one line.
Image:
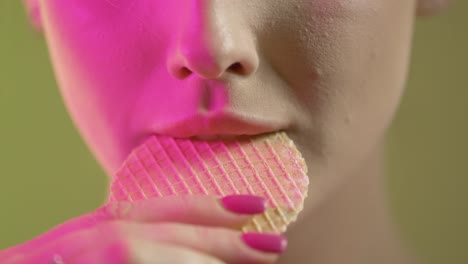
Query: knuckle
[[212, 236], [204, 232], [168, 231], [194, 200]]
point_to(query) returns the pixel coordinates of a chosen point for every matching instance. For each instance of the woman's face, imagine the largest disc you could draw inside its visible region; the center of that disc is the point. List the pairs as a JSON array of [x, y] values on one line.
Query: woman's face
[[329, 72]]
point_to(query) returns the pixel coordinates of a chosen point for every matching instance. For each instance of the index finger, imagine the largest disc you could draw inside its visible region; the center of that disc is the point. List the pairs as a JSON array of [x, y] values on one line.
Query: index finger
[[230, 211]]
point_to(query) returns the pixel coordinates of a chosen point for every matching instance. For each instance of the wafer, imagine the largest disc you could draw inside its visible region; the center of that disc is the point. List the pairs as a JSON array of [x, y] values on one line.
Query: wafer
[[267, 165]]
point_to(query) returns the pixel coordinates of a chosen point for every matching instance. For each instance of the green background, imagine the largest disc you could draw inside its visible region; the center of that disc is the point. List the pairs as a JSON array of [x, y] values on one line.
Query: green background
[[48, 175]]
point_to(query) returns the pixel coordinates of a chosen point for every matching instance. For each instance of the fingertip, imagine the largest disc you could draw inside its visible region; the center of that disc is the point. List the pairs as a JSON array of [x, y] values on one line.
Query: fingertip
[[244, 204], [268, 243]]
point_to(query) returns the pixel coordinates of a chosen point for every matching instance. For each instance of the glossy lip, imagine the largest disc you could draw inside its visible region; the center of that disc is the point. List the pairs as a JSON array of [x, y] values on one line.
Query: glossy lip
[[222, 126]]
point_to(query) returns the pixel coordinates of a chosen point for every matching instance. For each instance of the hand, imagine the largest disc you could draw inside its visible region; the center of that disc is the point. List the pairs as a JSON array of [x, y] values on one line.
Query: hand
[[172, 229]]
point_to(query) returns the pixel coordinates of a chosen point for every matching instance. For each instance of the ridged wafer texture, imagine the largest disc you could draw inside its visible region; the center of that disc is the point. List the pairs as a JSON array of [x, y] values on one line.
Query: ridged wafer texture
[[269, 166]]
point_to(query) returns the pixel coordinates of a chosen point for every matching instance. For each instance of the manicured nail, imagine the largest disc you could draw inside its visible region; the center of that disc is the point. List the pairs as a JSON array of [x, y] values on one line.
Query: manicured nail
[[244, 204], [270, 243]]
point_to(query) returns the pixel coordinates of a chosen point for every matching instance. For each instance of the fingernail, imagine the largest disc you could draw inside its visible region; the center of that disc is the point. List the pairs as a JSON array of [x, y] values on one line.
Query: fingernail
[[244, 204], [270, 243]]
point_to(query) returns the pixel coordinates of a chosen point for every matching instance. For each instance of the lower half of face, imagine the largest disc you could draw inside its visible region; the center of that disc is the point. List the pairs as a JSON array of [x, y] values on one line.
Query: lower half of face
[[330, 73]]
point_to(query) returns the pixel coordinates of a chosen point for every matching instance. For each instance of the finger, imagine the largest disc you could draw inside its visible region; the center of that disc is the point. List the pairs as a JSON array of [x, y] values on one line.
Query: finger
[[230, 211], [146, 252], [142, 252], [101, 245], [225, 244]]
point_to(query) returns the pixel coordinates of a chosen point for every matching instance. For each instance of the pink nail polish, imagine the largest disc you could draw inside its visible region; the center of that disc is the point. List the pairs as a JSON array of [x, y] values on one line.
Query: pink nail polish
[[270, 243], [244, 204]]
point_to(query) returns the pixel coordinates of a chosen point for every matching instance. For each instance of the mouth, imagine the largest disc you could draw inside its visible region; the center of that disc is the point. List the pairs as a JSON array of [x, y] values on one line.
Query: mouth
[[225, 127]]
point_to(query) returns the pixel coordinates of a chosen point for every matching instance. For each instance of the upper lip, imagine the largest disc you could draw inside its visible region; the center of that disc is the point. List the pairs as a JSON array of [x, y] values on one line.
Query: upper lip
[[218, 121], [217, 126]]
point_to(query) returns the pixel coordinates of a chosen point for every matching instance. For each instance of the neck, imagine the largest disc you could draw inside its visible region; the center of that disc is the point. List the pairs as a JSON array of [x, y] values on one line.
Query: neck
[[354, 225]]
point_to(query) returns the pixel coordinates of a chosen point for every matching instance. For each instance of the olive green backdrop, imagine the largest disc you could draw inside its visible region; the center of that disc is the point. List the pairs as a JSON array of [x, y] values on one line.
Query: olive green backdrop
[[47, 175]]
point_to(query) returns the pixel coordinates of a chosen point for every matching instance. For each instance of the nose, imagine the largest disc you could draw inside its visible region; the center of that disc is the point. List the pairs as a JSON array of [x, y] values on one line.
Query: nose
[[211, 43]]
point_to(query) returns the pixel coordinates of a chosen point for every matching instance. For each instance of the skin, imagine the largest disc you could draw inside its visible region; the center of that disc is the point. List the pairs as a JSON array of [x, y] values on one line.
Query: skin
[[330, 73]]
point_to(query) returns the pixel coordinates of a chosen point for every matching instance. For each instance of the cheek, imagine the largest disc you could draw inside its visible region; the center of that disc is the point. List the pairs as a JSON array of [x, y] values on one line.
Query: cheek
[[104, 41], [109, 51], [371, 75], [360, 56], [374, 53], [359, 53], [100, 65]]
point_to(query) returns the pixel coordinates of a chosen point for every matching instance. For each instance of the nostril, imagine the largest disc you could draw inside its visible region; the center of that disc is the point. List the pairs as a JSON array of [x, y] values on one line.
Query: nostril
[[183, 72], [237, 68]]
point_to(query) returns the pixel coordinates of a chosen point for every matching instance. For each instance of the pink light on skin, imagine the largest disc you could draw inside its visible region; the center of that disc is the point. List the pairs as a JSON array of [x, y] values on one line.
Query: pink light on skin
[[60, 243], [130, 68], [121, 79], [330, 72]]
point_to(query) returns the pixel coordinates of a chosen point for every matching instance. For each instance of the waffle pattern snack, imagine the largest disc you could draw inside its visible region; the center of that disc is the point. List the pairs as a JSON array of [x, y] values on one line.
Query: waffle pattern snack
[[267, 165]]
